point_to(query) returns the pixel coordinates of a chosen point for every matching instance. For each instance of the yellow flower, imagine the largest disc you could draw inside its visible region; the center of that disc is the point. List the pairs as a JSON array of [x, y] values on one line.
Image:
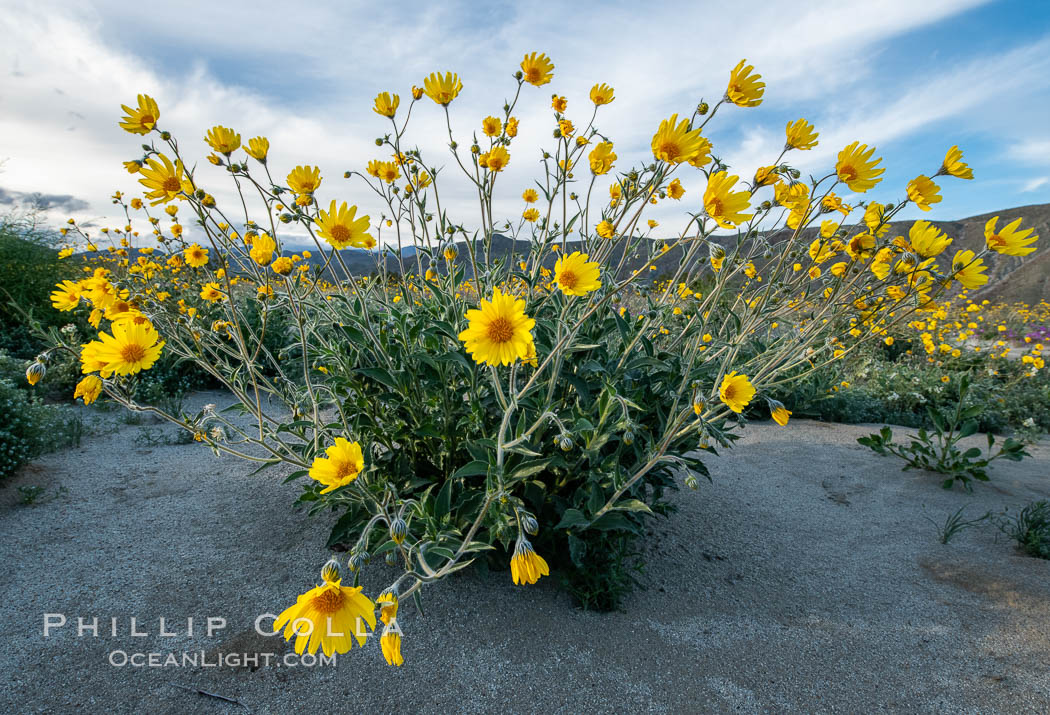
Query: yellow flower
[[211, 292], [342, 465], [165, 180], [512, 127], [387, 171], [304, 180], [143, 118], [575, 275], [133, 347], [491, 126], [537, 69], [860, 247], [67, 297], [258, 148], [196, 256], [703, 154], [954, 165], [133, 166], [566, 128], [923, 192], [385, 105], [927, 240], [969, 270], [675, 190], [674, 142], [262, 249], [780, 414], [442, 89], [1010, 241], [223, 140], [530, 196], [800, 135], [874, 219], [856, 169], [605, 229], [527, 566], [89, 389], [736, 391], [282, 265], [530, 215], [723, 204], [716, 263], [328, 617], [602, 94], [496, 159], [766, 176], [498, 332], [744, 89], [341, 227], [601, 158]]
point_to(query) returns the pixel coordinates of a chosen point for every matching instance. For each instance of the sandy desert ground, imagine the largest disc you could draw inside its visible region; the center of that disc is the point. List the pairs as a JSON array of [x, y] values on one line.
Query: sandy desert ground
[[803, 579]]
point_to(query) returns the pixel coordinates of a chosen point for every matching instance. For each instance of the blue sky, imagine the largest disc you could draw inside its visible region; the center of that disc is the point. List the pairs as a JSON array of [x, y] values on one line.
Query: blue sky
[[910, 77]]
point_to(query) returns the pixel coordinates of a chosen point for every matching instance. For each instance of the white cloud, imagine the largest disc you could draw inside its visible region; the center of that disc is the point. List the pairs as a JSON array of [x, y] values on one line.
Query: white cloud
[[1034, 184], [306, 81]]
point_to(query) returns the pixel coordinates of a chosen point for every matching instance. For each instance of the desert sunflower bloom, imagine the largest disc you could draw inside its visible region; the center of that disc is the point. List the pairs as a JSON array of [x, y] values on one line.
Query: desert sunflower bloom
[[223, 140], [132, 347], [954, 165], [601, 158], [736, 391], [575, 275], [675, 142], [605, 229], [67, 297], [326, 617], [442, 89], [927, 240], [390, 641], [341, 227], [496, 159], [304, 180], [744, 88], [342, 465], [527, 566], [196, 256], [530, 196], [923, 192], [800, 135], [165, 181], [537, 68], [969, 270], [498, 332], [258, 148], [491, 126], [531, 215], [143, 118], [1010, 241], [723, 204], [602, 94], [675, 190], [778, 412], [386, 105], [856, 169], [212, 293], [262, 249], [89, 388]]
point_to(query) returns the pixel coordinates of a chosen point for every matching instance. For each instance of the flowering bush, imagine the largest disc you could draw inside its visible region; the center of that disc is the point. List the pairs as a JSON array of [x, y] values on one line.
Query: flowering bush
[[512, 387]]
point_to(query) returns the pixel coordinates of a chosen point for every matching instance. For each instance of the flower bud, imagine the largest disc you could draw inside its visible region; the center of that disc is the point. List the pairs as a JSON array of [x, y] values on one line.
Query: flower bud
[[565, 442], [346, 174], [398, 530], [518, 75], [690, 481], [357, 561], [529, 523], [702, 108], [390, 558], [628, 438], [35, 372], [330, 571], [165, 136]]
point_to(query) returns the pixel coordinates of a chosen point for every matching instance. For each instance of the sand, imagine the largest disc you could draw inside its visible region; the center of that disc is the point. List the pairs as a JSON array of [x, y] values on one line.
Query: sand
[[803, 579]]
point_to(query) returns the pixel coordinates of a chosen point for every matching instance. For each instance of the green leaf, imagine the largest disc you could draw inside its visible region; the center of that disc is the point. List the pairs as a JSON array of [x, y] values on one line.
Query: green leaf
[[471, 469], [571, 519], [633, 505], [443, 503]]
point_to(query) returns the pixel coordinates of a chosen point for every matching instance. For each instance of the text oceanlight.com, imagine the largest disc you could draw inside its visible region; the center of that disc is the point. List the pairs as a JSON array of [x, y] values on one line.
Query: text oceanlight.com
[[201, 659]]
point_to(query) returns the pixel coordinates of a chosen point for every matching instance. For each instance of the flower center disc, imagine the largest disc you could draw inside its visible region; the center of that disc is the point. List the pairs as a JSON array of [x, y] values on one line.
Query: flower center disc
[[171, 184], [340, 233], [669, 151], [328, 602], [132, 352], [500, 330], [346, 469], [568, 279]]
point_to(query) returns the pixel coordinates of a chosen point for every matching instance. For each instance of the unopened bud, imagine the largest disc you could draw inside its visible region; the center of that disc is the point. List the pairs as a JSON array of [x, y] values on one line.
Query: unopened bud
[[398, 530]]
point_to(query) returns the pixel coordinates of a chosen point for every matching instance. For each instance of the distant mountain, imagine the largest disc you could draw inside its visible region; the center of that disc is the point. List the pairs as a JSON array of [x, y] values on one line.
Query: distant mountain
[[1012, 279]]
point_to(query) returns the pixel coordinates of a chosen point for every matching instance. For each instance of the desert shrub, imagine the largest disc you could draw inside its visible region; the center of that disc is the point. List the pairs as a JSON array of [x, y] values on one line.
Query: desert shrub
[[508, 388], [29, 428]]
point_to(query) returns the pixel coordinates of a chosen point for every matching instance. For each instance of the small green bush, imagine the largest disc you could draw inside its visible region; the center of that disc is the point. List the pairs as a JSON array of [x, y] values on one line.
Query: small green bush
[[1030, 528], [29, 428]]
